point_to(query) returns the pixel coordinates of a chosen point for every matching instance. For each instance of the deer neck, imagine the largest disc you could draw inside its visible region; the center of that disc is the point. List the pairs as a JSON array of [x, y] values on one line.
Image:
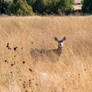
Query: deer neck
[[59, 50]]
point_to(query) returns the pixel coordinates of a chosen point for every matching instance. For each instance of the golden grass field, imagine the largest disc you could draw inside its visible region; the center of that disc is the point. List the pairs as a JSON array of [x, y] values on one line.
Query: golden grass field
[[71, 73]]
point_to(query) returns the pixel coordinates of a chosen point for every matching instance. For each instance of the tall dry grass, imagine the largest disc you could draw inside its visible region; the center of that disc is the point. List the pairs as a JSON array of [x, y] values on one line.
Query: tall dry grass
[[73, 71]]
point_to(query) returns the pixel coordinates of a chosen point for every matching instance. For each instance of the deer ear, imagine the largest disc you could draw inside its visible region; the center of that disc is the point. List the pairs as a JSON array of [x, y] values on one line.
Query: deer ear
[[64, 38], [56, 39]]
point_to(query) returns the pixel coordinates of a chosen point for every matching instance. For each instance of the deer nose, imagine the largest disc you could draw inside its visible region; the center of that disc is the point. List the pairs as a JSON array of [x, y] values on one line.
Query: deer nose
[[61, 44]]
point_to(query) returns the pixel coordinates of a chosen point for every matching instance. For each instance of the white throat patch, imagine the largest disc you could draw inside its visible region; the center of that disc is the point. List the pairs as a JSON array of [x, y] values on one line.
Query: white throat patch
[[61, 44]]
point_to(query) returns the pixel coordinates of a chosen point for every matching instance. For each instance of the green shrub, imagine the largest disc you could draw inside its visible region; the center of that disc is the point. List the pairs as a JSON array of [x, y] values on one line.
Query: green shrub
[[39, 6], [3, 7], [51, 6], [31, 2], [87, 6], [28, 7], [65, 6], [45, 6], [20, 7]]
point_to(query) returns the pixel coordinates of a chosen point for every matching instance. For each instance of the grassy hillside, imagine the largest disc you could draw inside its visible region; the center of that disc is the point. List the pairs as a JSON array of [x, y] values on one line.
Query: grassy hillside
[[71, 73]]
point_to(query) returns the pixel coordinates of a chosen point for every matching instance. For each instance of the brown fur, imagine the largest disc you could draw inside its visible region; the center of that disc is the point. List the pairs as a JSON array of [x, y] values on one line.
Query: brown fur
[[52, 54]]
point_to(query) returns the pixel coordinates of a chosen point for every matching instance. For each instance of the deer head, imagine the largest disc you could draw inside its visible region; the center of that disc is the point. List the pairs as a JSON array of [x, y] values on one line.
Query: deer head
[[60, 42]]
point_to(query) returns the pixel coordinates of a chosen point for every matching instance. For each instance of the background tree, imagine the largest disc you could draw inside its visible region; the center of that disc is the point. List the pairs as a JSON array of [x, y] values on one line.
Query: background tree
[[20, 7], [65, 6], [51, 6], [3, 7], [87, 6], [28, 7]]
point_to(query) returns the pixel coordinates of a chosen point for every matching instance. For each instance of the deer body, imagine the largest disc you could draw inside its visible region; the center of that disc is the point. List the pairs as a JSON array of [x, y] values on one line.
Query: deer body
[[51, 53]]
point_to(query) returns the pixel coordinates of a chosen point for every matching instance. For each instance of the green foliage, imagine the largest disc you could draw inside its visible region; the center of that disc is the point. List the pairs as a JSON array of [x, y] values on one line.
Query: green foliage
[[28, 7], [45, 6], [51, 6], [87, 6], [20, 7], [31, 2], [1, 1], [3, 7], [65, 6], [39, 6]]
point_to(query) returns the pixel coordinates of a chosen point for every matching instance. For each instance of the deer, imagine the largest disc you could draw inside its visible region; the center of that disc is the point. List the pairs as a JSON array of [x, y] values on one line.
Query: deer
[[50, 53]]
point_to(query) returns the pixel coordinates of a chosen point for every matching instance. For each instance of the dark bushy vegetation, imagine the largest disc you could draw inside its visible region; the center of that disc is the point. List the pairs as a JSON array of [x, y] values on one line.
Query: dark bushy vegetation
[[3, 7], [65, 6], [42, 7], [51, 6], [30, 7], [87, 6], [20, 7]]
